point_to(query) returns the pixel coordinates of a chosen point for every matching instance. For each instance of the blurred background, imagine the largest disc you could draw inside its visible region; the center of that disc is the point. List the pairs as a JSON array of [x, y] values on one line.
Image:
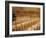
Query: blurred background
[[25, 18]]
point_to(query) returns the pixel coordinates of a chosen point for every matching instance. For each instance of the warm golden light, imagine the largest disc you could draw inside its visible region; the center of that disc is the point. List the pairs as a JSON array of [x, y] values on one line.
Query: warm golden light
[[25, 18]]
